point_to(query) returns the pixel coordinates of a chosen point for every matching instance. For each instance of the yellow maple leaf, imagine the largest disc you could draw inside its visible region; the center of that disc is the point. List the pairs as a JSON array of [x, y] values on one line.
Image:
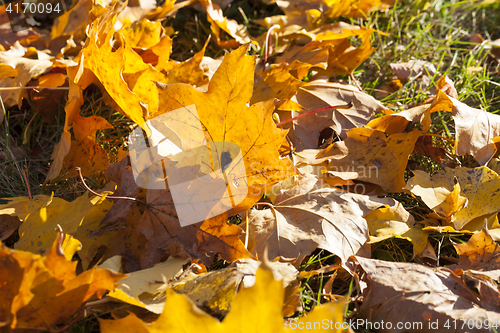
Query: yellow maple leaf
[[228, 122], [39, 292], [254, 309]]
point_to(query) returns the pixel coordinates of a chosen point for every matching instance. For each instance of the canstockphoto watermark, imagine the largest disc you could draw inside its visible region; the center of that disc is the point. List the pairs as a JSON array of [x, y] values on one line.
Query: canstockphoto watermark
[[357, 324], [205, 178]]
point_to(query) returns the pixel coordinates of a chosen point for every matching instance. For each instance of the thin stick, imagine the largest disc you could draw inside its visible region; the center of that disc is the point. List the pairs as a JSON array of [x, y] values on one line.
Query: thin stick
[[34, 87], [355, 82], [27, 184], [102, 195], [343, 106]]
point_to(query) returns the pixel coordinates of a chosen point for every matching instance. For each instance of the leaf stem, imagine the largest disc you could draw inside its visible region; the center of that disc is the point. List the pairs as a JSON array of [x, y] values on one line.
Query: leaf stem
[[342, 106], [102, 195], [268, 37], [32, 87]]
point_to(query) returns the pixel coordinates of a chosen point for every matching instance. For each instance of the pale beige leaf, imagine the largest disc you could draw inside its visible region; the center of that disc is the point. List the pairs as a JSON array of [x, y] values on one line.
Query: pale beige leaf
[[475, 130], [324, 94], [308, 216]]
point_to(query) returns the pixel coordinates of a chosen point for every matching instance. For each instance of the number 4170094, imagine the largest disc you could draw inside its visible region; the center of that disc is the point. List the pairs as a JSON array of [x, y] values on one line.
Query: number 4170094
[[462, 324], [33, 8]]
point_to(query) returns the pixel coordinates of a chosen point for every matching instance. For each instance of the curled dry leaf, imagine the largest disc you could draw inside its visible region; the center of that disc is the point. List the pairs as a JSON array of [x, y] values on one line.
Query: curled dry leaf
[[480, 255], [441, 194], [214, 291], [146, 288], [397, 122], [218, 21], [308, 216], [429, 298], [306, 130]]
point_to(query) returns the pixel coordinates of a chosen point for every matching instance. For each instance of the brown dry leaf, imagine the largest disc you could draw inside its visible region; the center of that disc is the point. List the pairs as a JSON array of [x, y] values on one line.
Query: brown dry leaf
[[40, 292], [413, 69], [181, 315], [8, 224], [426, 146], [480, 255], [480, 186], [161, 227], [429, 298], [46, 101], [307, 130], [308, 216], [369, 156], [121, 174], [475, 130]]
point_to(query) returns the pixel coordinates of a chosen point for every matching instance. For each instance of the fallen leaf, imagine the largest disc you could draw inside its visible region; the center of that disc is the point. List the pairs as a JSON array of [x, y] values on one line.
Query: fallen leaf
[[20, 71], [397, 122], [181, 315], [370, 156], [39, 227], [480, 255], [308, 216], [88, 156], [229, 124], [395, 221], [478, 185], [44, 291], [414, 69], [218, 22], [440, 193], [214, 291], [319, 95], [475, 130], [427, 297], [144, 288], [161, 227]]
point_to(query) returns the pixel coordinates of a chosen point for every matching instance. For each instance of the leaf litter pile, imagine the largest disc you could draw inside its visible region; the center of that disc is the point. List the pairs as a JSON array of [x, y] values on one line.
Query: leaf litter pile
[[275, 172]]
